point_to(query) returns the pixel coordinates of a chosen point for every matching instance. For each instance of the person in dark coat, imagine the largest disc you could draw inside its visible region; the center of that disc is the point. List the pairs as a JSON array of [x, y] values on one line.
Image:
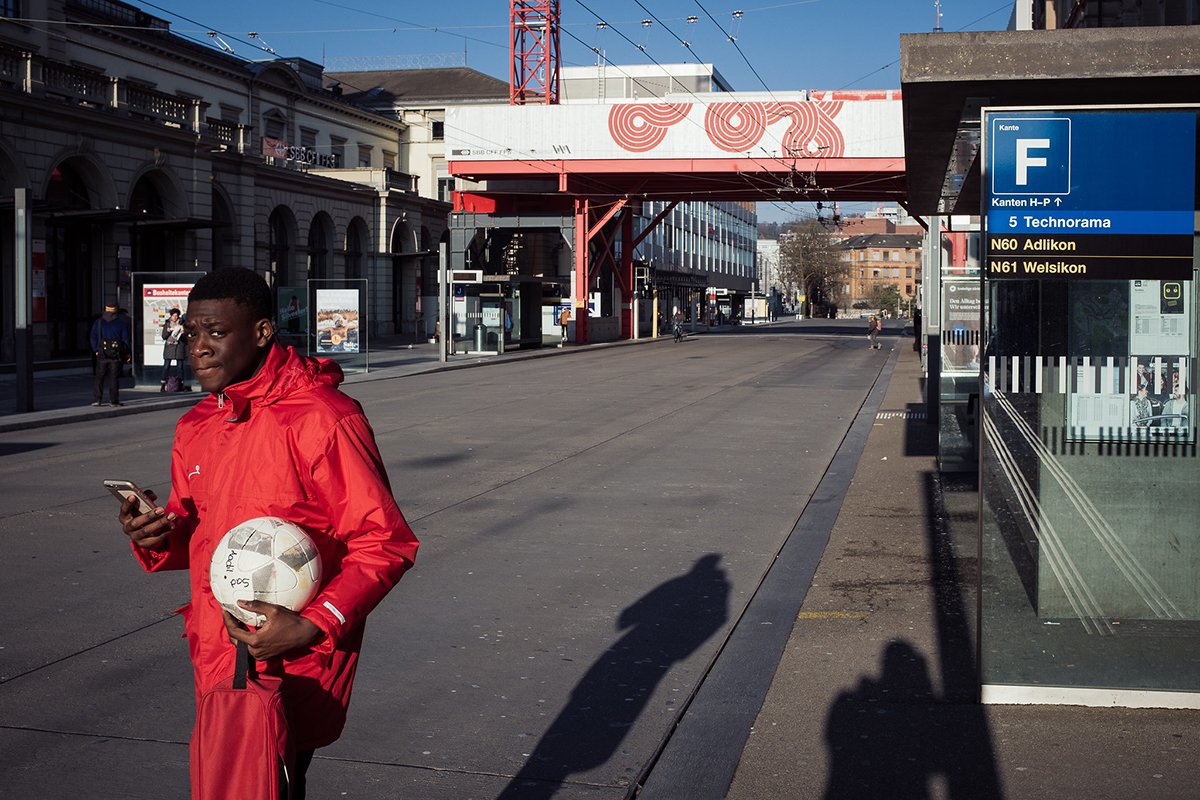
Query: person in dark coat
[[174, 348], [109, 340]]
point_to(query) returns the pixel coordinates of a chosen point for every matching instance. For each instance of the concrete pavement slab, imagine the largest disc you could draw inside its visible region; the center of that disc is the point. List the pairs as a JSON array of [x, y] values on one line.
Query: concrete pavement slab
[[875, 693]]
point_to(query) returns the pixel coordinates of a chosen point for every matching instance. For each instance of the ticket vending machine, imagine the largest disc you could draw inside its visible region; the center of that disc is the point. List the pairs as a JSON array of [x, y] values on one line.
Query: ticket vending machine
[[1090, 549]]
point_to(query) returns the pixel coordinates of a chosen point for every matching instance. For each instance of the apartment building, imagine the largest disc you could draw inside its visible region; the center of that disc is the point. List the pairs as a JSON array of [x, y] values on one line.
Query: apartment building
[[876, 261]]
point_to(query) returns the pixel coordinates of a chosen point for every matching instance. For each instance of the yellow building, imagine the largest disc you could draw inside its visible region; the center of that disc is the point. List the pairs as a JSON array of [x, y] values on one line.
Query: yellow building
[[875, 261]]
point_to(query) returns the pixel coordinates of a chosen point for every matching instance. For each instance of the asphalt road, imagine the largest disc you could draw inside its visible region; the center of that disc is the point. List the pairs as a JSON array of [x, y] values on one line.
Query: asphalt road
[[592, 528]]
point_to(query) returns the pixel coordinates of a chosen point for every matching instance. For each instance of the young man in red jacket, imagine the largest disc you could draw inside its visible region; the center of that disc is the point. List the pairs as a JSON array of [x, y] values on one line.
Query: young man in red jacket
[[275, 437]]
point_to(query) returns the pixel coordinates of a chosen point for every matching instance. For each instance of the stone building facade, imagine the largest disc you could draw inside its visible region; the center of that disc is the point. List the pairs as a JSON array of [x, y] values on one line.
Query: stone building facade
[[141, 151]]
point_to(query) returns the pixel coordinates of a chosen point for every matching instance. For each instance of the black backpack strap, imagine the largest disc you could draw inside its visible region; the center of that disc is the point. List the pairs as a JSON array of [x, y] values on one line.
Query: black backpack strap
[[243, 666]]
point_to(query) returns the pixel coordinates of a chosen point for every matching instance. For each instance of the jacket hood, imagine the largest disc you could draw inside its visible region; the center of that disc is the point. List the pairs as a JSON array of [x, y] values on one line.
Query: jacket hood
[[284, 372]]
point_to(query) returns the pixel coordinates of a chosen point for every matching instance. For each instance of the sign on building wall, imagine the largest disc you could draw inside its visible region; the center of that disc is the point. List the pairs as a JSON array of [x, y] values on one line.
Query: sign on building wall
[[795, 124], [284, 154], [1090, 194], [1101, 203]]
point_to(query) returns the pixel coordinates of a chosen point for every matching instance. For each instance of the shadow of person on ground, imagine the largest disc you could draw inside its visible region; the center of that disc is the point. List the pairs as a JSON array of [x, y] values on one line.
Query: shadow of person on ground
[[897, 736], [894, 737], [665, 626]]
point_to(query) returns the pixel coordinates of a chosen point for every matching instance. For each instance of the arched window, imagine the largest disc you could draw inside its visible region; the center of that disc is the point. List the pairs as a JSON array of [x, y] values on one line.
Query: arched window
[[318, 246], [279, 246], [356, 247]]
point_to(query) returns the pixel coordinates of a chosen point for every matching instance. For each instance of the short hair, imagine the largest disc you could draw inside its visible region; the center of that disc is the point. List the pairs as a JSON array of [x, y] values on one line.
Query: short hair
[[243, 286]]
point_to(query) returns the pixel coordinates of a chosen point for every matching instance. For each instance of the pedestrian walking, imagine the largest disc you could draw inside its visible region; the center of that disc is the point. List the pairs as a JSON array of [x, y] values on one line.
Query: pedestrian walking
[[872, 332], [174, 352], [109, 340], [564, 319], [274, 437]]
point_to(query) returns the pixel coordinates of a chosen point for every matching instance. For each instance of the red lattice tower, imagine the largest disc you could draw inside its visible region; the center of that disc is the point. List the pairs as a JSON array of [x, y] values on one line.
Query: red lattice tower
[[533, 71]]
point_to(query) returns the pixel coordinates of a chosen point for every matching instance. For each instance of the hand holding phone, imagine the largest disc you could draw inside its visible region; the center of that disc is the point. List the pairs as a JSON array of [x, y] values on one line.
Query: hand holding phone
[[151, 533], [123, 490]]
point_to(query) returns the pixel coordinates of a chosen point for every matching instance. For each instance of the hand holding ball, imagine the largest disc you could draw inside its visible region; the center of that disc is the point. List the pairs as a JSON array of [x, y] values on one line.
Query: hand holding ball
[[265, 558]]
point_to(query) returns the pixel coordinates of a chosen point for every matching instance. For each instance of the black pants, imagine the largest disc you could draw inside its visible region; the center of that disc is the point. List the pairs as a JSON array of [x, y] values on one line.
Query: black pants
[[179, 370], [303, 759], [110, 369]]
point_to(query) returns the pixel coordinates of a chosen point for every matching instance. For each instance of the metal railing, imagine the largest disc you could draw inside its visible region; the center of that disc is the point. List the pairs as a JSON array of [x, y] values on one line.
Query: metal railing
[[23, 72], [74, 83], [155, 106], [11, 66]]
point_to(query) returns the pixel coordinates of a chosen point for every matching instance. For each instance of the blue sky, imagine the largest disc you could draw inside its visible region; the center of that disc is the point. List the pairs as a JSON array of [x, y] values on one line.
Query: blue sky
[[802, 44], [779, 45]]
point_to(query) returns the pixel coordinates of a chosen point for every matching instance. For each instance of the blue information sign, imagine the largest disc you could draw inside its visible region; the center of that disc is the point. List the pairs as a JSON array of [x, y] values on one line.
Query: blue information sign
[[1092, 194]]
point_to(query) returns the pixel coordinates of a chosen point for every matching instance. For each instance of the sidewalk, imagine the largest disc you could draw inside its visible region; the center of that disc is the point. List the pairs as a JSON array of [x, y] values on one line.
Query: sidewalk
[[874, 695], [65, 396]]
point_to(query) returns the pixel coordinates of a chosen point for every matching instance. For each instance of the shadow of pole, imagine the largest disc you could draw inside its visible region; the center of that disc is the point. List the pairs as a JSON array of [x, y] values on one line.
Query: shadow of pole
[[896, 736], [665, 626]]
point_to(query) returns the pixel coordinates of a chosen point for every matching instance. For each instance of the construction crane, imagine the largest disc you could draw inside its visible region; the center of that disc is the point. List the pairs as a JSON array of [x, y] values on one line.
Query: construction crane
[[534, 48]]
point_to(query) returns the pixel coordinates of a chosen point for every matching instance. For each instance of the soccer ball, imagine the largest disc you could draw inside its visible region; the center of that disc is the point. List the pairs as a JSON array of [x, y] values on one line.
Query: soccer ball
[[265, 558]]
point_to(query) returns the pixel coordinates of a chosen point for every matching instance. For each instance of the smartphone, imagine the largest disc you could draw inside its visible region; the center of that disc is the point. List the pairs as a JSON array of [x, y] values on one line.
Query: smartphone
[[123, 490]]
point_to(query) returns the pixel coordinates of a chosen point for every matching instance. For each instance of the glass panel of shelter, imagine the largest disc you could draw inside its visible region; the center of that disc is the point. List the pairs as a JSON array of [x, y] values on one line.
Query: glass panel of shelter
[[1089, 469]]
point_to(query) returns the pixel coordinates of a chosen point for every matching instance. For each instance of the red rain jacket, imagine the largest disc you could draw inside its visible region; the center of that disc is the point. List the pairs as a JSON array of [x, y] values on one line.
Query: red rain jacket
[[287, 443]]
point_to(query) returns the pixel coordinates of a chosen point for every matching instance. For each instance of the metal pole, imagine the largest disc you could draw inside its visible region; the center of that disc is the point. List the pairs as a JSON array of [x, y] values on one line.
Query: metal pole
[[22, 281], [931, 318], [654, 314], [443, 316]]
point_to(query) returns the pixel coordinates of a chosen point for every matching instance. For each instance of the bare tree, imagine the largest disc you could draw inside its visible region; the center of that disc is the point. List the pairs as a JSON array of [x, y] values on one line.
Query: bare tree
[[809, 261]]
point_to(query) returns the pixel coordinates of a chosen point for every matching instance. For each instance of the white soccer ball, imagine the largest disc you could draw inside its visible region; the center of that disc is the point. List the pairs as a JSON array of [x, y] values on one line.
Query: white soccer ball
[[265, 558]]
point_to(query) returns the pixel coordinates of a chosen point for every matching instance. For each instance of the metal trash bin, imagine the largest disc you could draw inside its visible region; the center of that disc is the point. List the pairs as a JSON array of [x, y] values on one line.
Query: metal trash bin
[[480, 338]]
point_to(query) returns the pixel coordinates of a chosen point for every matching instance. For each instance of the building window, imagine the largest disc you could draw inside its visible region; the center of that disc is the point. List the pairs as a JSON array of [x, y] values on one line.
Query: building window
[[445, 185], [10, 8], [308, 138], [274, 124], [364, 155], [437, 130], [908, 289], [337, 146], [389, 159]]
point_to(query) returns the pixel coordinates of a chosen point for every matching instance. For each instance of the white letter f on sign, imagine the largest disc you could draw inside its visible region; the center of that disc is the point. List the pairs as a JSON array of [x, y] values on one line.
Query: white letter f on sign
[[1025, 161]]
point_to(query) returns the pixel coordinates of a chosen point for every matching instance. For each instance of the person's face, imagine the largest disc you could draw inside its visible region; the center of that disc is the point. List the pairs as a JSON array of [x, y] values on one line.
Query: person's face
[[226, 344]]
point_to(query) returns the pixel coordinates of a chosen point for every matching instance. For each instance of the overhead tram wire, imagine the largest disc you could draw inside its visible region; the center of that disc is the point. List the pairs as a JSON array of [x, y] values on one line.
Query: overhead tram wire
[[700, 101], [733, 40], [531, 161], [529, 158], [785, 185], [414, 25], [535, 162], [993, 12]]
